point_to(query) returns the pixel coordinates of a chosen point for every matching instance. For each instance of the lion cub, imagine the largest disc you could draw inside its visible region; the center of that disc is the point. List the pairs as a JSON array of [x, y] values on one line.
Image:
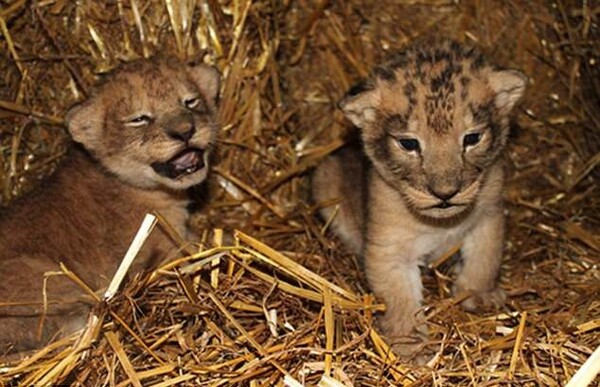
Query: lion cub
[[147, 132], [433, 121]]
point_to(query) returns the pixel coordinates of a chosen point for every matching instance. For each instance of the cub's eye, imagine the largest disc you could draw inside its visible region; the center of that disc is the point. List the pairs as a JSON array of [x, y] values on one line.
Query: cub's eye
[[140, 120], [192, 103], [410, 144], [471, 139]]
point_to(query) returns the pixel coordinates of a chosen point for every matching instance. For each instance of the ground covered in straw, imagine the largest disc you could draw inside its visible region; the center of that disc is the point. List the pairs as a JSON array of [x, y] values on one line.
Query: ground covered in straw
[[281, 302]]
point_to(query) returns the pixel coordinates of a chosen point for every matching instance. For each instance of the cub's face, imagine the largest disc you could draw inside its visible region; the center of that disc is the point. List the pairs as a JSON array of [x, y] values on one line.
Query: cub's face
[[433, 120], [151, 123]]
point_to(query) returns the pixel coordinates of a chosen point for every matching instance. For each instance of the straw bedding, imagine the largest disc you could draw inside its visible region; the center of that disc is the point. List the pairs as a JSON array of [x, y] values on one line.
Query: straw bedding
[[280, 301]]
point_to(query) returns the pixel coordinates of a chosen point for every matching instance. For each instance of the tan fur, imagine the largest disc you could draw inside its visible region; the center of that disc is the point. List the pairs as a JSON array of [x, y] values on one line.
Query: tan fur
[[425, 198], [349, 214], [86, 214]]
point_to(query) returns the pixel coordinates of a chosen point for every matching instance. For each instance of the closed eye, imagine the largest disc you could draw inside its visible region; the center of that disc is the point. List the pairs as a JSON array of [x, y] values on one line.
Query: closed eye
[[193, 102], [139, 120]]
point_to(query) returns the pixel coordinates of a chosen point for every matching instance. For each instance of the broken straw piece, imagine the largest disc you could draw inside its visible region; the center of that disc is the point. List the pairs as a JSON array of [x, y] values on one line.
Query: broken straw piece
[[143, 232], [588, 371]]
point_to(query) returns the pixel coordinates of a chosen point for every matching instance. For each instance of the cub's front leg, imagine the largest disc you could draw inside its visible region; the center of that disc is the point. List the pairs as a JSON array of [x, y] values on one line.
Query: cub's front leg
[[396, 280], [482, 257], [392, 259]]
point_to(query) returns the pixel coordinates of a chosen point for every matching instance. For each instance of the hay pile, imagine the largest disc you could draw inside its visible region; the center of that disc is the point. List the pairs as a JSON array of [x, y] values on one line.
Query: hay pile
[[246, 312]]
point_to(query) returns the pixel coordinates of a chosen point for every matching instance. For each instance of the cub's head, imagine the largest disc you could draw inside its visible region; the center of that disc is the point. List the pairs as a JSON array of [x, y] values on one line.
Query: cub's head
[[151, 122], [433, 120]]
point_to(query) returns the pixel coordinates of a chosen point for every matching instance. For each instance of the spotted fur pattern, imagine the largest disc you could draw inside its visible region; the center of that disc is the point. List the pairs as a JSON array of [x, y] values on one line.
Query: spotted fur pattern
[[433, 121]]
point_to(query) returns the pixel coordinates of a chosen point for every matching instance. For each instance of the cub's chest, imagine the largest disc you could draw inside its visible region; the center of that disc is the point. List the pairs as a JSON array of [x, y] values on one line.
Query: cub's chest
[[173, 210], [432, 242]]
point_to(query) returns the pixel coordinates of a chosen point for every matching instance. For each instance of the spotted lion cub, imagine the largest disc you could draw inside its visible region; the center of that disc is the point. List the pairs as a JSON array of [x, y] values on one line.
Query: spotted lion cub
[[146, 135], [433, 121]]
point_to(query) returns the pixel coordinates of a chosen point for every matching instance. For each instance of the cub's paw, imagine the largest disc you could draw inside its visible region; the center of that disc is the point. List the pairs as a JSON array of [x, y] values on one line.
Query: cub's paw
[[412, 348], [407, 338], [486, 300]]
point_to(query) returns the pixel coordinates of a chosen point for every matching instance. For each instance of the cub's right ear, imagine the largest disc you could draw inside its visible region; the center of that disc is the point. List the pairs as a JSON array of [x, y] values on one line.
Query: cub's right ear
[[84, 122], [208, 80], [360, 104]]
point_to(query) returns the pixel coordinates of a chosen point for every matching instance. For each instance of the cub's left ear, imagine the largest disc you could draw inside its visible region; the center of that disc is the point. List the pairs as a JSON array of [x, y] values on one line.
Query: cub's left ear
[[509, 86], [208, 80]]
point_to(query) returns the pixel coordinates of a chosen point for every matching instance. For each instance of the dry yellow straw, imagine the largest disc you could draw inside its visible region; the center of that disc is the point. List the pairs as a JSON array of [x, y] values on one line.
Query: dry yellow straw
[[517, 347], [113, 341], [327, 381], [329, 329], [588, 371], [141, 236]]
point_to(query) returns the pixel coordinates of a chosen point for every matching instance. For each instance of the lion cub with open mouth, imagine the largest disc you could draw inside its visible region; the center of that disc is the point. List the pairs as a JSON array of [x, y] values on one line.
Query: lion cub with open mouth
[[147, 131], [433, 121]]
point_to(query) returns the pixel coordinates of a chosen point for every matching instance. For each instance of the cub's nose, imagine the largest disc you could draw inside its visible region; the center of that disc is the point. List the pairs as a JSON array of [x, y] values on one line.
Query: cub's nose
[[182, 132], [444, 193]]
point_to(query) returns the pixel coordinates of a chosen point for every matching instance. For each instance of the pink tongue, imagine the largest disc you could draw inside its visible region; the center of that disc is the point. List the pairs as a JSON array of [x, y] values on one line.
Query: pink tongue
[[186, 160]]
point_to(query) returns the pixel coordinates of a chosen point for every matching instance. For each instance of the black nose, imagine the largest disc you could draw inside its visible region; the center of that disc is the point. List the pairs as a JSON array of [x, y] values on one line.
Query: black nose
[[182, 132], [444, 194]]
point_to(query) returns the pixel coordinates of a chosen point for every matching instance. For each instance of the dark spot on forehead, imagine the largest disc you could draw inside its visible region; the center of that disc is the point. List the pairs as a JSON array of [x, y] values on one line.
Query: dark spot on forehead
[[464, 88], [394, 122], [441, 54], [444, 79], [438, 82], [423, 57], [467, 52], [385, 73], [410, 93], [409, 89], [359, 88], [398, 60], [478, 62], [482, 113], [454, 46]]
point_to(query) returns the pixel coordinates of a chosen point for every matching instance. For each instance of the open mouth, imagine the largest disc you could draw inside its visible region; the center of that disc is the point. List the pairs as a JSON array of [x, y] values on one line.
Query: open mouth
[[184, 163]]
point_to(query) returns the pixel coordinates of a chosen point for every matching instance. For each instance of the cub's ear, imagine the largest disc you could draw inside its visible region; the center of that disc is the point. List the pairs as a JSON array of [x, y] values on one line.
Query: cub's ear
[[509, 86], [208, 80], [84, 122], [360, 104]]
